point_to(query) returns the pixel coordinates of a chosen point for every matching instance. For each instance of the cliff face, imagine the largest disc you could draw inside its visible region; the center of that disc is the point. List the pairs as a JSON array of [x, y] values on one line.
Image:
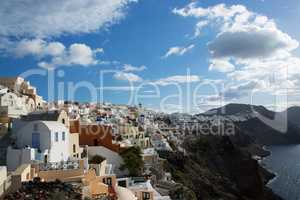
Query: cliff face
[[214, 168]]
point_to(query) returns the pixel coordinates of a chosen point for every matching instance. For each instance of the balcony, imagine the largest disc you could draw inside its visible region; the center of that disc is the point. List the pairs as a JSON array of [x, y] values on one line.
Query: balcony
[[68, 165]]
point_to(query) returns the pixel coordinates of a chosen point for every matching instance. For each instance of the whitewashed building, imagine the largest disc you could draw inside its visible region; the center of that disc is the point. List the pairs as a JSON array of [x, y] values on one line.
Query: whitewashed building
[[43, 141], [12, 105], [3, 177]]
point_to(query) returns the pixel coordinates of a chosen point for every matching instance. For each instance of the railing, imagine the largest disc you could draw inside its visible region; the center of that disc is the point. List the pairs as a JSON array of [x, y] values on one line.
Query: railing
[[68, 165]]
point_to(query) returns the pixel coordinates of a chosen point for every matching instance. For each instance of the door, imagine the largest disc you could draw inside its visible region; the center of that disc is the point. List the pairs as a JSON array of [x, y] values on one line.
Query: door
[[46, 159], [109, 181], [35, 143]]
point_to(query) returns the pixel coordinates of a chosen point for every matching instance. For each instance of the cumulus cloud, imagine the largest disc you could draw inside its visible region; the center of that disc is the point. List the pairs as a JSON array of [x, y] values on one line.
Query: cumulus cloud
[[29, 28], [81, 54], [55, 17], [249, 47], [179, 51], [30, 47], [53, 54], [221, 65], [242, 34], [124, 76], [251, 44], [76, 54], [131, 68], [177, 80], [36, 47]]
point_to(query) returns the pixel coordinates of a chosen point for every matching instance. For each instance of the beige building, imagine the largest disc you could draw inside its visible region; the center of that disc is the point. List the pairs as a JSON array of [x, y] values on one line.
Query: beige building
[[134, 134], [104, 178], [74, 148]]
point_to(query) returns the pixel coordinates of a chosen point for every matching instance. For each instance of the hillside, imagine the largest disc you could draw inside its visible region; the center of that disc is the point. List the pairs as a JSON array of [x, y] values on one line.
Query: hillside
[[214, 168], [247, 122]]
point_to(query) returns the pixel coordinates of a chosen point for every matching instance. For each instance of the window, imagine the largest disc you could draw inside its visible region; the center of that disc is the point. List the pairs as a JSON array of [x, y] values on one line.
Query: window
[[56, 136], [63, 136], [122, 183], [74, 148], [109, 181], [146, 195], [63, 121]]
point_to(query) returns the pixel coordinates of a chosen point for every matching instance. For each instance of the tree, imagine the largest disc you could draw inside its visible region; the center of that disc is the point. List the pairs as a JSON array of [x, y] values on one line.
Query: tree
[[132, 161], [96, 159]]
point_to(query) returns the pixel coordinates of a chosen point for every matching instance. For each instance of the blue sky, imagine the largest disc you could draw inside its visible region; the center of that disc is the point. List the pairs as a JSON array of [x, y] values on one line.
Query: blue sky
[[242, 51]]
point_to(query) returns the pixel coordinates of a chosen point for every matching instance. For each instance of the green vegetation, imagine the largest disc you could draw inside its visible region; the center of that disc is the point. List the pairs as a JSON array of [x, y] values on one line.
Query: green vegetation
[[182, 193], [97, 159], [132, 161]]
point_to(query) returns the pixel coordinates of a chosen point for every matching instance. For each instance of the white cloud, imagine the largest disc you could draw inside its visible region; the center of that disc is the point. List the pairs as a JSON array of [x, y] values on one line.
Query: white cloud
[[54, 49], [76, 54], [28, 28], [217, 11], [221, 65], [261, 51], [124, 76], [55, 17], [199, 26], [36, 47], [242, 34], [53, 54], [80, 54], [131, 68], [126, 73], [177, 80], [178, 50]]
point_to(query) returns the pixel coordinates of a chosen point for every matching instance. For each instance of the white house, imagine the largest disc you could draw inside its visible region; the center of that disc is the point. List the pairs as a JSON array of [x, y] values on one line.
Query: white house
[[43, 141], [111, 157]]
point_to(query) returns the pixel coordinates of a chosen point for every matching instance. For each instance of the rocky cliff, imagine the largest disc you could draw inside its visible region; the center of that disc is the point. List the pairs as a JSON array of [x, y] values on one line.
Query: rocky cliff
[[213, 167]]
